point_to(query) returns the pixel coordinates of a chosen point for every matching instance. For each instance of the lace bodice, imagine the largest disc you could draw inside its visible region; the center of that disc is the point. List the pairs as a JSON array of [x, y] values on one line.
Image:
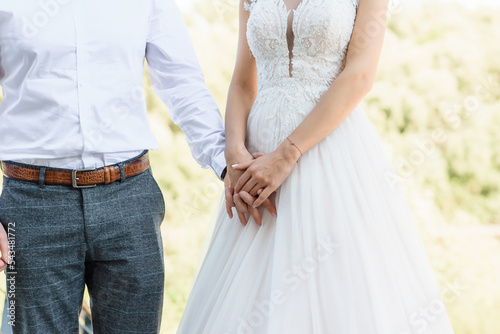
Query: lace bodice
[[322, 30]]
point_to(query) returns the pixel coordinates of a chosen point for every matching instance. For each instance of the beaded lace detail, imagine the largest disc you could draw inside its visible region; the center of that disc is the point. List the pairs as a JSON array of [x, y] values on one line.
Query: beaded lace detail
[[322, 30]]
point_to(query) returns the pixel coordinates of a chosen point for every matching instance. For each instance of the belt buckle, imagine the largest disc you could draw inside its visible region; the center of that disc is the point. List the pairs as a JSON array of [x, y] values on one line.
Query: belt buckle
[[74, 179]]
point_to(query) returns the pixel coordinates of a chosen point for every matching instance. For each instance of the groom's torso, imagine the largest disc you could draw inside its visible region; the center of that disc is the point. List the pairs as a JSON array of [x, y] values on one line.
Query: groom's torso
[[72, 73]]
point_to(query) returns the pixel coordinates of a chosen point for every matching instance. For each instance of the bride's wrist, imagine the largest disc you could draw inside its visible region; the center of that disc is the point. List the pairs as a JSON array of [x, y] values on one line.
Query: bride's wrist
[[289, 152]]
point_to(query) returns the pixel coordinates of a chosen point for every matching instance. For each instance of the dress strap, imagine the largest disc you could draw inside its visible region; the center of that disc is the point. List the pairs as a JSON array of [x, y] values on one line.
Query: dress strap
[[248, 4]]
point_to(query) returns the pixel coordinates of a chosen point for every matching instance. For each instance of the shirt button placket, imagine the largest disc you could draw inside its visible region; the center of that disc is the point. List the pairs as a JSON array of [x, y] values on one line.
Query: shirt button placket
[[82, 65]]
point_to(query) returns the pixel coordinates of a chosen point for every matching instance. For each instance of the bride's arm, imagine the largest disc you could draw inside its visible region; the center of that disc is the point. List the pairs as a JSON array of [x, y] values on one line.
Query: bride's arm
[[242, 94], [269, 172]]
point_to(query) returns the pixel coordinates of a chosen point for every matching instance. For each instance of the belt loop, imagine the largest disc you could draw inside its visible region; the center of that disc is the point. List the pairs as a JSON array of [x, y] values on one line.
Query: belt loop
[[41, 177], [122, 171]]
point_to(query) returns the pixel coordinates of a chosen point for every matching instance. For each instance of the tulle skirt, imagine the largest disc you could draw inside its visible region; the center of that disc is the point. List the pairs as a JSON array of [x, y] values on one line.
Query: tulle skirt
[[343, 256]]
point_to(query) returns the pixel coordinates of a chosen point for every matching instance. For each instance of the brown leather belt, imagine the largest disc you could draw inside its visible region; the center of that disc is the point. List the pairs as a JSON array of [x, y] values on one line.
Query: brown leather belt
[[78, 178]]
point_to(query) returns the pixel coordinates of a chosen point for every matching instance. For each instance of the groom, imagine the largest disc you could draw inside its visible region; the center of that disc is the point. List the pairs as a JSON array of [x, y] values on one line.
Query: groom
[[79, 204]]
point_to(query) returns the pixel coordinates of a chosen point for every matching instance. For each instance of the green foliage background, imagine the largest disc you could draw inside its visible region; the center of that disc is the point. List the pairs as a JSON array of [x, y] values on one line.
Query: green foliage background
[[436, 104]]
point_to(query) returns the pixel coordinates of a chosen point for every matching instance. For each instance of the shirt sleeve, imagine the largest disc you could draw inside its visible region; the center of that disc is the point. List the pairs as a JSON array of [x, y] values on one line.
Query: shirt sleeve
[[178, 80]]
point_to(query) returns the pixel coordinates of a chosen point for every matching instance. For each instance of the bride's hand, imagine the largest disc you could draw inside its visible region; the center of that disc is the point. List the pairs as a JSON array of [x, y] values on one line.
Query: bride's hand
[[239, 201], [267, 172]]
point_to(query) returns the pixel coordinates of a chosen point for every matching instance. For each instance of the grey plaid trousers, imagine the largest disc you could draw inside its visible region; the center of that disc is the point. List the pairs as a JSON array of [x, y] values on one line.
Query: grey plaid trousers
[[107, 238]]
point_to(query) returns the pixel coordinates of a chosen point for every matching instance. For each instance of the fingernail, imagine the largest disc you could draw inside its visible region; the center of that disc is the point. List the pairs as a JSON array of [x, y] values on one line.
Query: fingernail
[[275, 214], [255, 206], [235, 165]]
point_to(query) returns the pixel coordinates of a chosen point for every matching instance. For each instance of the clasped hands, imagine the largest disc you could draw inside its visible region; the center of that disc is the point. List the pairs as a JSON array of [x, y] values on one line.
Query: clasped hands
[[252, 178]]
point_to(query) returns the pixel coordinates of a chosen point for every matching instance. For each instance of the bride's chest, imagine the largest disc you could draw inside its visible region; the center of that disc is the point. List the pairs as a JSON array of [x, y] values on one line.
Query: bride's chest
[[326, 21]]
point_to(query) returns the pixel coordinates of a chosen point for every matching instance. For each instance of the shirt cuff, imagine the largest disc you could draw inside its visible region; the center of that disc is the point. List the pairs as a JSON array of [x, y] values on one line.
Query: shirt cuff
[[218, 164]]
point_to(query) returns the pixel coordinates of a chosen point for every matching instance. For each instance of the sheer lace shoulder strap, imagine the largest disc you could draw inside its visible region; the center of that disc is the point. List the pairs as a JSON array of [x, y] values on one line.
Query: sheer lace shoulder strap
[[249, 4]]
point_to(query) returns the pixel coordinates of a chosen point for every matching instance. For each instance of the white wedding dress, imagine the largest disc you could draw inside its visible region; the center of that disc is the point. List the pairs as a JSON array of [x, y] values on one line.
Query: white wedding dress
[[343, 255]]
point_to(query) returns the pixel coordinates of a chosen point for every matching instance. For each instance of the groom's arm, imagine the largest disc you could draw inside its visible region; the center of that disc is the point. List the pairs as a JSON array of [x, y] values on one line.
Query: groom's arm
[[178, 80]]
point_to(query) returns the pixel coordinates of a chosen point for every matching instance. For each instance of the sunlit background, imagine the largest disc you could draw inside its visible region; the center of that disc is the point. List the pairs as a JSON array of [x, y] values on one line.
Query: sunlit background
[[436, 104]]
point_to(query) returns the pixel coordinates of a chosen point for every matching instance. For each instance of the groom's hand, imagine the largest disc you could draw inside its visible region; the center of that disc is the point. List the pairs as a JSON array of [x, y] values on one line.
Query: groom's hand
[[242, 208], [266, 172], [245, 202], [4, 248], [236, 200], [249, 201], [232, 176], [229, 196]]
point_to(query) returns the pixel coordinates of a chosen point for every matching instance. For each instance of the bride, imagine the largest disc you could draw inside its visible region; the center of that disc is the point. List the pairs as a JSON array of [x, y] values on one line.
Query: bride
[[330, 245]]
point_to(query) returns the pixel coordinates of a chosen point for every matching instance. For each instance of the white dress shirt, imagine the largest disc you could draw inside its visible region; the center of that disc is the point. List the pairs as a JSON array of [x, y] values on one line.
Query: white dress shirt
[[72, 71]]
